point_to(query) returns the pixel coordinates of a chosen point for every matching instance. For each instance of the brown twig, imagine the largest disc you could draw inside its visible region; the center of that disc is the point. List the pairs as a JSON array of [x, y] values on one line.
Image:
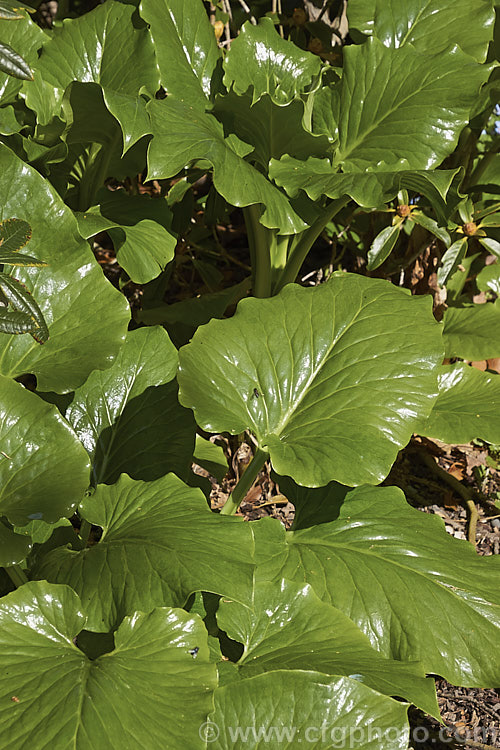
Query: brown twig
[[466, 495], [276, 8], [248, 11]]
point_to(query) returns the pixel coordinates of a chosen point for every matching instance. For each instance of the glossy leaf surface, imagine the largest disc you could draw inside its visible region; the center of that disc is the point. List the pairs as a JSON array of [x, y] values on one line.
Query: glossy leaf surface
[[396, 104], [128, 416], [51, 689], [386, 566], [430, 26], [44, 471], [13, 64], [317, 177], [288, 706], [287, 626], [71, 291], [260, 60], [185, 46], [472, 331], [153, 533], [182, 135], [142, 250], [305, 352], [467, 406], [26, 37], [271, 129], [73, 55]]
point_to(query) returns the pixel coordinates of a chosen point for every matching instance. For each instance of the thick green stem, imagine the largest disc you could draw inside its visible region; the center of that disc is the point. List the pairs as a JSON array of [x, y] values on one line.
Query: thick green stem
[[16, 575], [245, 483], [96, 171], [259, 241], [305, 241]]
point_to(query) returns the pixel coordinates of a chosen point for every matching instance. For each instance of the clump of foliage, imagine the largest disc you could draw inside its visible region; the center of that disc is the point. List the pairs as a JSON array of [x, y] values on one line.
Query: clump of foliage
[[169, 615], [11, 63], [25, 315]]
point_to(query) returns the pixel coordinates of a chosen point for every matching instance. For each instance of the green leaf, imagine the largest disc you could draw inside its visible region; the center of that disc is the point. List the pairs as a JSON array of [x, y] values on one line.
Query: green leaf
[[14, 235], [43, 466], [185, 46], [40, 531], [271, 129], [13, 547], [13, 64], [492, 246], [128, 416], [73, 55], [261, 60], [21, 300], [286, 626], [382, 90], [285, 707], [467, 406], [160, 544], [9, 124], [143, 249], [181, 319], [387, 566], [316, 177], [430, 26], [211, 457], [312, 506], [72, 292], [14, 322], [382, 246], [432, 226], [451, 260], [19, 259], [488, 280], [140, 690], [182, 136], [472, 331], [26, 37], [11, 11], [316, 357]]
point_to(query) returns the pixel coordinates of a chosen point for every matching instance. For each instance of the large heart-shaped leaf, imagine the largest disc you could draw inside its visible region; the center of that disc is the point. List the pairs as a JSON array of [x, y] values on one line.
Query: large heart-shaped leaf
[[396, 104], [472, 331], [322, 376], [160, 543], [128, 416], [282, 708], [183, 135], [185, 46], [71, 291], [387, 566], [43, 467], [288, 627], [261, 60], [429, 25], [137, 693], [467, 406], [26, 37], [86, 49]]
